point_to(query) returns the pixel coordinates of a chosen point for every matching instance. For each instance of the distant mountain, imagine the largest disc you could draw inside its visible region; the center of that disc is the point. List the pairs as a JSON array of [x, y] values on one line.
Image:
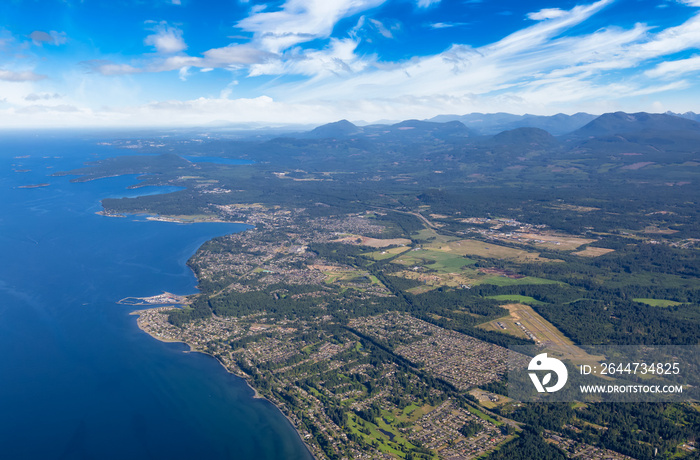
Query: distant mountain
[[338, 129], [421, 129], [620, 123], [493, 123], [689, 115], [525, 137], [414, 130]]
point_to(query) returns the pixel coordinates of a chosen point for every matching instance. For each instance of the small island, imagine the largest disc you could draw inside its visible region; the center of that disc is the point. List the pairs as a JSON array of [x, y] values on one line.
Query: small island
[[34, 185]]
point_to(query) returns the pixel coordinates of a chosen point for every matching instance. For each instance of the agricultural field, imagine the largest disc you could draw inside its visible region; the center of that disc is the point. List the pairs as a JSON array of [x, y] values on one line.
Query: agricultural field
[[517, 298], [487, 250], [387, 253], [658, 302], [440, 261], [554, 241], [593, 252], [372, 242]]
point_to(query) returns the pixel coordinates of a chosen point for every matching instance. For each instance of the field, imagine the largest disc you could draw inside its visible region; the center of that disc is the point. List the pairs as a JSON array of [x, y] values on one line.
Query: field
[[517, 298], [544, 332], [386, 435], [373, 242], [505, 281], [493, 251], [441, 262], [658, 302], [593, 252], [554, 241], [435, 267], [387, 253]]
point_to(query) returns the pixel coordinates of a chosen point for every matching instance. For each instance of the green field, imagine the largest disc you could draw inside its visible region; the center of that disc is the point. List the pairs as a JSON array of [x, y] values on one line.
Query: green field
[[370, 432], [442, 262], [517, 298], [658, 302], [386, 253], [505, 281]]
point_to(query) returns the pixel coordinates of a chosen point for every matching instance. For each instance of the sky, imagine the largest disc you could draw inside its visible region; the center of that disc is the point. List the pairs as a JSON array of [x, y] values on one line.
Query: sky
[[85, 63]]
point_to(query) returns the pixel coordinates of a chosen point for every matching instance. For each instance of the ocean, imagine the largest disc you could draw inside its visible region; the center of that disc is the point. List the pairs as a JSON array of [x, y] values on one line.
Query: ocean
[[78, 379]]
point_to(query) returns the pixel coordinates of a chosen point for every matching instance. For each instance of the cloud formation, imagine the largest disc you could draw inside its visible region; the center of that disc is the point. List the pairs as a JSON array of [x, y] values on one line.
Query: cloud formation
[[39, 37], [166, 39], [27, 75], [546, 13], [300, 21]]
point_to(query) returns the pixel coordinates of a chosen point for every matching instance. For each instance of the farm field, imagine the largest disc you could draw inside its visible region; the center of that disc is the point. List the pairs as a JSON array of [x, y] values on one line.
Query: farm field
[[488, 250], [440, 261], [387, 253], [658, 302], [555, 241], [372, 242], [517, 298], [593, 252]]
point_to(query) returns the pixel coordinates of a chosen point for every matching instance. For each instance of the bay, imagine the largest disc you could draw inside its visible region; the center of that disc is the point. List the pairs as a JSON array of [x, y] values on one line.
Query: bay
[[78, 379]]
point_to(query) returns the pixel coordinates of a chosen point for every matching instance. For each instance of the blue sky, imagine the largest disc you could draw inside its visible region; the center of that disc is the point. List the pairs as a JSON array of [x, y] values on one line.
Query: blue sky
[[193, 62]]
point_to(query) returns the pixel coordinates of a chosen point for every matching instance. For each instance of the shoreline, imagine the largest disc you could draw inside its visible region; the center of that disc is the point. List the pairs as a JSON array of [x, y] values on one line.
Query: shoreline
[[193, 349], [244, 377], [172, 219]]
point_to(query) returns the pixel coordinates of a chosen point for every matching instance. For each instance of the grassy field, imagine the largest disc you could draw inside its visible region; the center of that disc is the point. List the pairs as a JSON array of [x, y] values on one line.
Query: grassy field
[[593, 252], [489, 250], [372, 242], [517, 298], [377, 432], [553, 240], [386, 253], [658, 302], [439, 261], [505, 281]]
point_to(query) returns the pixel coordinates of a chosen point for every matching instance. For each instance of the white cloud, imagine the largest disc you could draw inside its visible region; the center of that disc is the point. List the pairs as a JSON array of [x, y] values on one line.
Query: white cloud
[[446, 25], [27, 75], [108, 68], [427, 3], [675, 68], [336, 60], [235, 55], [381, 28], [695, 3], [539, 69], [300, 21], [546, 13], [41, 96], [535, 67], [166, 39]]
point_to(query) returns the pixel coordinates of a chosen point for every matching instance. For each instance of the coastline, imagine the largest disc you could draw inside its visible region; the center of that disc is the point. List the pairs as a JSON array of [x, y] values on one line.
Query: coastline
[[244, 377], [192, 349], [197, 219]]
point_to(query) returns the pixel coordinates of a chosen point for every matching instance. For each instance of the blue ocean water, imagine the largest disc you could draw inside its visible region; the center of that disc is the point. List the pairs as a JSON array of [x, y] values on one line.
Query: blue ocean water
[[78, 379]]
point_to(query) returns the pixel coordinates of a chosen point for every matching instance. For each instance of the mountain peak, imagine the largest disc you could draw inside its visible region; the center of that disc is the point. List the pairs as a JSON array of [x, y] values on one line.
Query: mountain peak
[[622, 122]]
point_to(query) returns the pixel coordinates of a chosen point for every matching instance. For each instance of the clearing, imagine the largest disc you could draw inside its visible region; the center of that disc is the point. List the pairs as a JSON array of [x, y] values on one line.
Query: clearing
[[523, 321], [494, 251], [593, 252]]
